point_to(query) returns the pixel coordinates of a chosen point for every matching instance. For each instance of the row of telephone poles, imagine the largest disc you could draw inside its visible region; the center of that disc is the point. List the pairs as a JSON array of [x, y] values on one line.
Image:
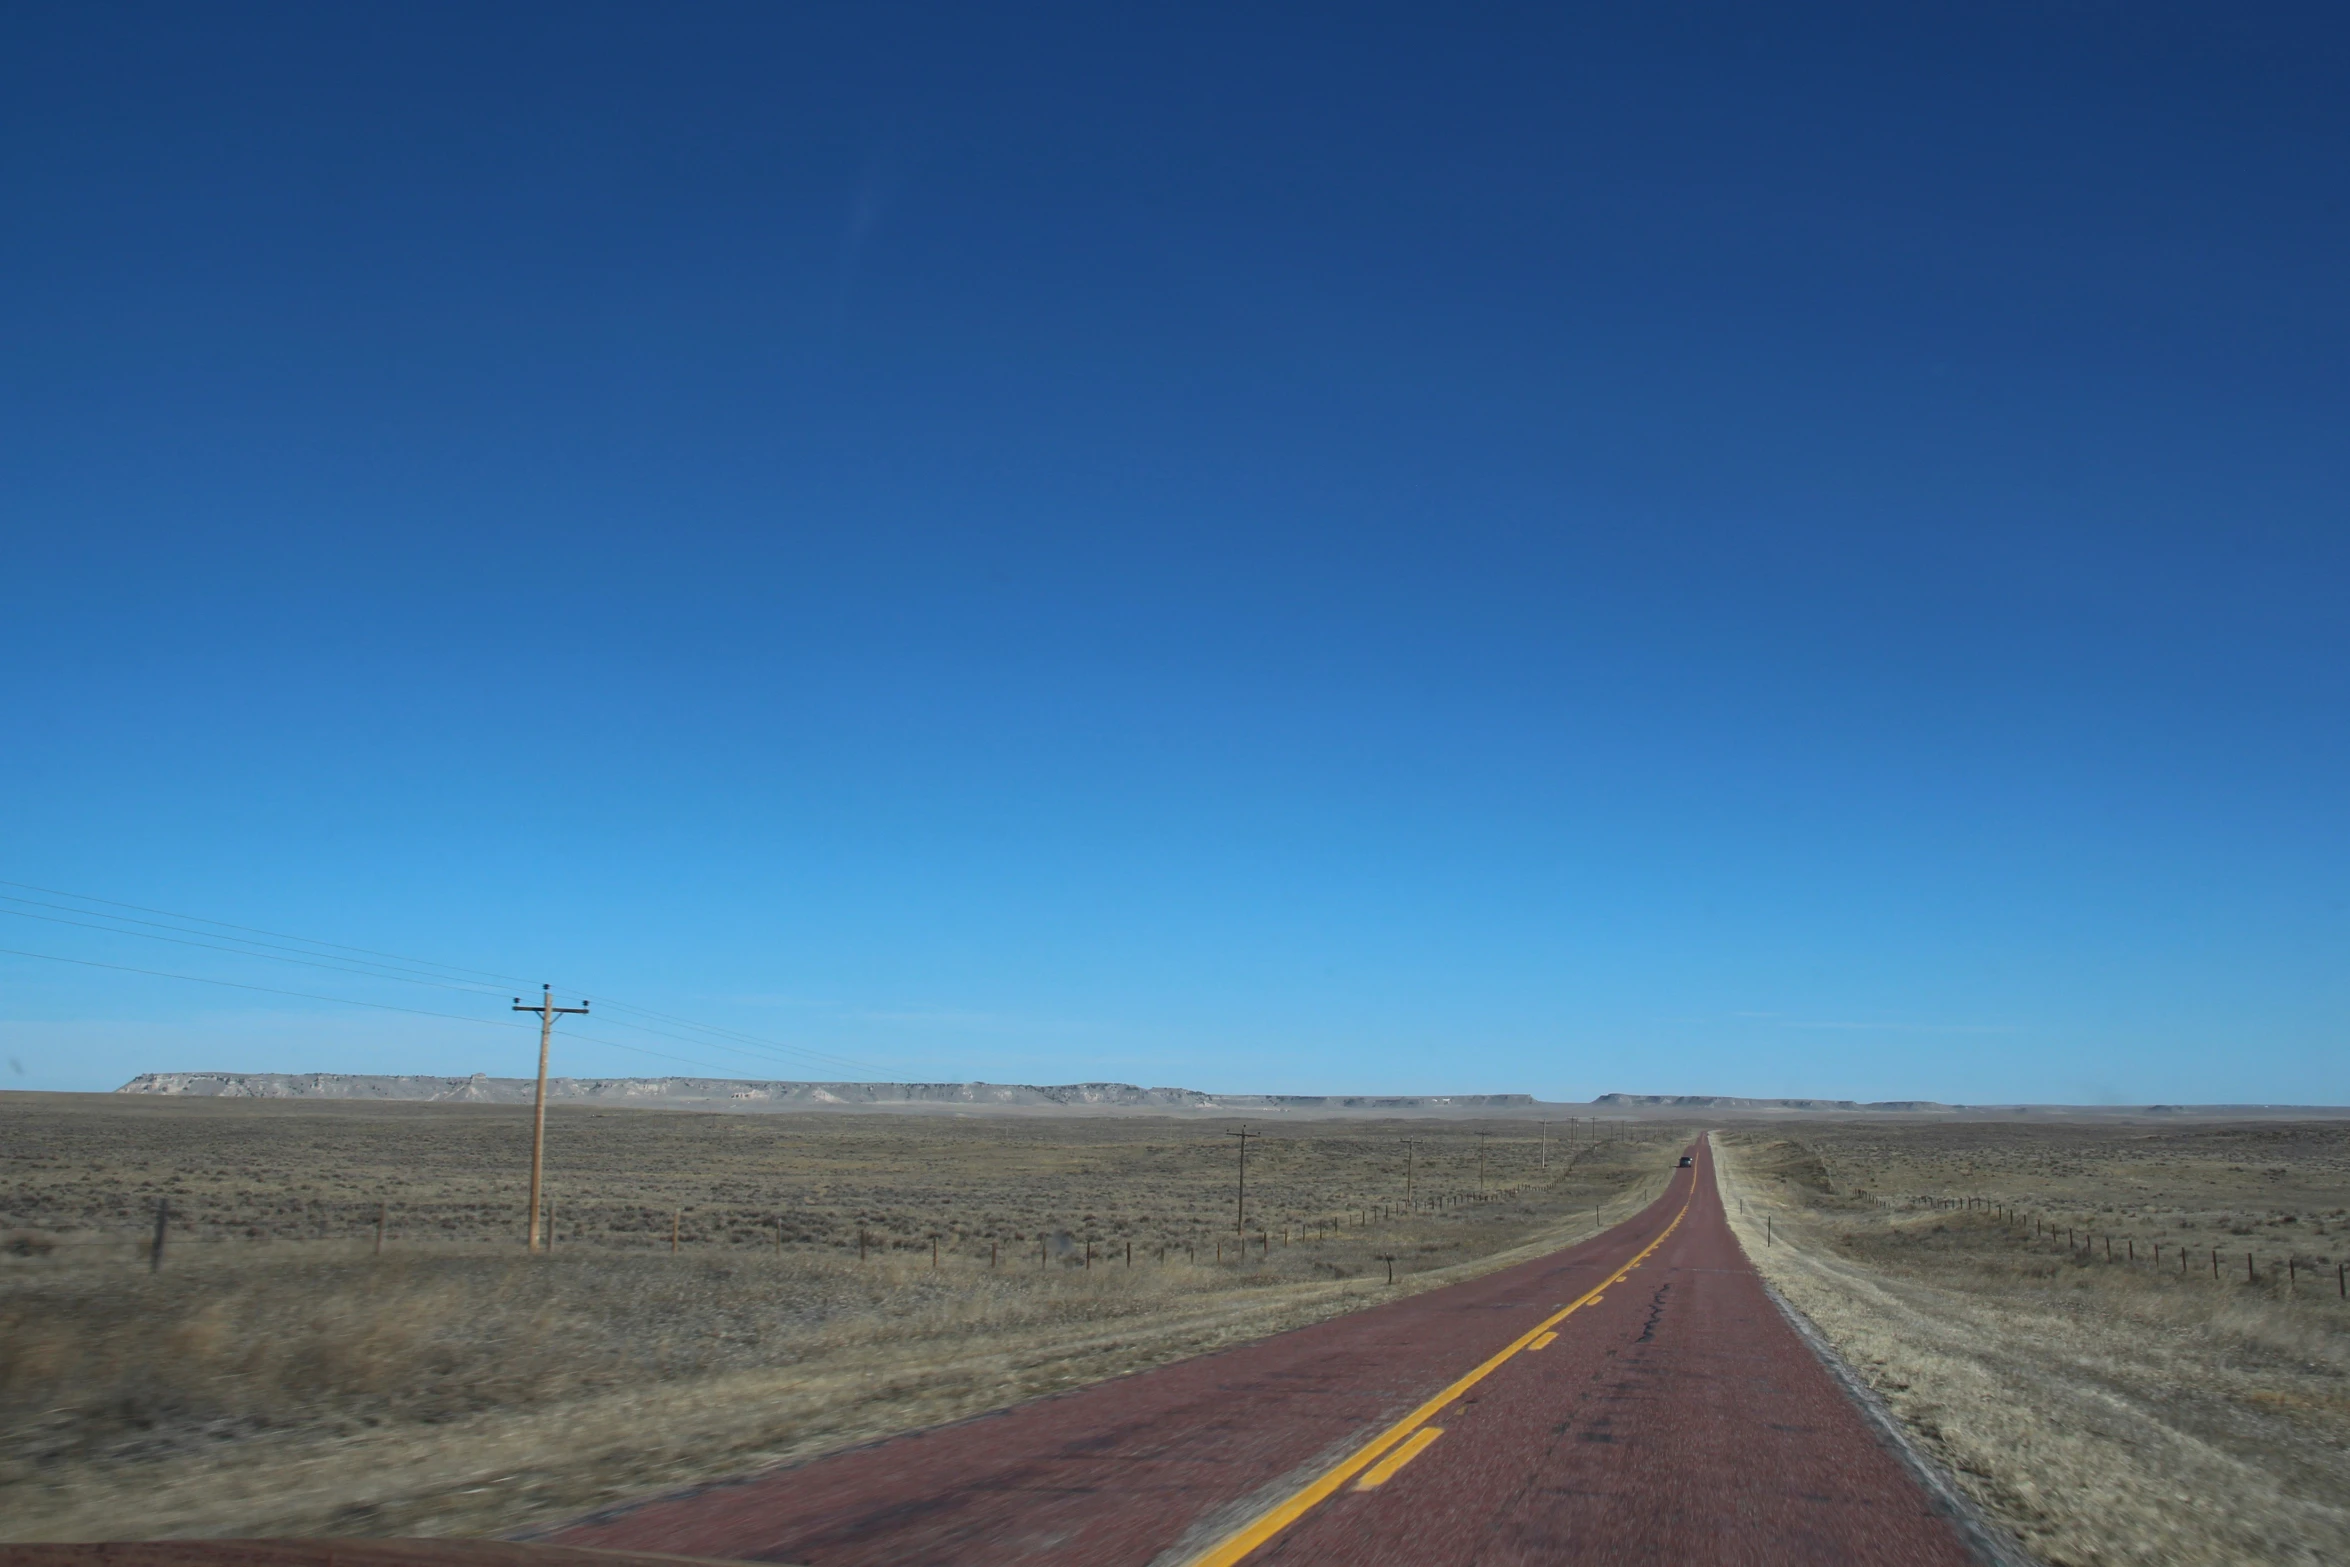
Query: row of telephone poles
[[547, 1011]]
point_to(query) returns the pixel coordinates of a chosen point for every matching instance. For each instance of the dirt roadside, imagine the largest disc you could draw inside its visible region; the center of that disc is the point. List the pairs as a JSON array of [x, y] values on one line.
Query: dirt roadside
[[2102, 1417]]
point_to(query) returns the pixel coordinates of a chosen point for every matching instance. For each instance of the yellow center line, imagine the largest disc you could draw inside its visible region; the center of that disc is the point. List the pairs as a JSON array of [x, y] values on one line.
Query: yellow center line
[[1384, 1470], [1234, 1546], [1543, 1342]]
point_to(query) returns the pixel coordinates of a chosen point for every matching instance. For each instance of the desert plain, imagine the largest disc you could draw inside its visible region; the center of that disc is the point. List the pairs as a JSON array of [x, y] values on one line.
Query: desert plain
[[344, 1334], [722, 1291]]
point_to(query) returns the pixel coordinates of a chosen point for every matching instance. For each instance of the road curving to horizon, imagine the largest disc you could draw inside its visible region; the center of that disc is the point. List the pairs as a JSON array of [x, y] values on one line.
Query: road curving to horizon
[[1634, 1398]]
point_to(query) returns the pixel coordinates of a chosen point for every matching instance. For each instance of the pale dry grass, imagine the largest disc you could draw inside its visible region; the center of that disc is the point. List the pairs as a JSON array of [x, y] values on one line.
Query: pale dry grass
[[2103, 1413], [284, 1387]]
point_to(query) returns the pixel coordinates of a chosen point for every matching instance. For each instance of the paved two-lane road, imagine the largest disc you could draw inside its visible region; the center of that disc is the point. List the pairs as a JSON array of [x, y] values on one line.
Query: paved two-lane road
[[1635, 1398]]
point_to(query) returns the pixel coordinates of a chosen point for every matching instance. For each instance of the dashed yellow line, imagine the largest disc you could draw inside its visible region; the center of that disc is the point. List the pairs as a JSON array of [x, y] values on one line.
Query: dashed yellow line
[[1414, 1426], [1384, 1470], [1543, 1342]]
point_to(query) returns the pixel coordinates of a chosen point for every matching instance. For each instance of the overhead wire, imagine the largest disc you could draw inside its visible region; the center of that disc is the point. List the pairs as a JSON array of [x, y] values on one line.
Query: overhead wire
[[348, 1001], [728, 1033], [271, 990], [245, 952], [381, 969], [198, 919], [763, 1050]]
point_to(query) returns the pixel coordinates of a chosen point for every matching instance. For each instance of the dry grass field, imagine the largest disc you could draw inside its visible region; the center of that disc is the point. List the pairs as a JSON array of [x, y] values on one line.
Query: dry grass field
[[277, 1376], [2106, 1411]]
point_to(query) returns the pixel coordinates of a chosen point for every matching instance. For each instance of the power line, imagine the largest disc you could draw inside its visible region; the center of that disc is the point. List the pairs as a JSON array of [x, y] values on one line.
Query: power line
[[270, 990], [338, 968], [764, 1049], [255, 930], [728, 1033], [245, 952], [711, 1044], [242, 943], [348, 1001]]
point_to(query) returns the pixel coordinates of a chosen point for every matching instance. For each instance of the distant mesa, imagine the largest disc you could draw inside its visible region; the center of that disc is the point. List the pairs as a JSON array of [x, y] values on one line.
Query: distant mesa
[[1726, 1102], [719, 1093], [751, 1094]]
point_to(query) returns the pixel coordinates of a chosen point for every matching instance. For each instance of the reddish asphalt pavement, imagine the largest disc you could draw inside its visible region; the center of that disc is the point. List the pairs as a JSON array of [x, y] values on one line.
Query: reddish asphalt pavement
[[1675, 1418]]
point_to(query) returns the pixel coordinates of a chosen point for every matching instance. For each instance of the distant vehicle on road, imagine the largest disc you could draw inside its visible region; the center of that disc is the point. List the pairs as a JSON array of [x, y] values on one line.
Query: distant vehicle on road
[[1686, 1161]]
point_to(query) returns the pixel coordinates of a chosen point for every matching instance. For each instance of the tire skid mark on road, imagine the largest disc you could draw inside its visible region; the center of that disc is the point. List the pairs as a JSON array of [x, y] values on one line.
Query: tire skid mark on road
[[1656, 1309], [1243, 1541]]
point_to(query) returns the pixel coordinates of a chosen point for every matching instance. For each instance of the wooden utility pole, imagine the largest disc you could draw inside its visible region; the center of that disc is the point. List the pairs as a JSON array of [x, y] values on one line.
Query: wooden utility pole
[[548, 1012], [1240, 1204], [1481, 1136], [1546, 1145], [1407, 1171]]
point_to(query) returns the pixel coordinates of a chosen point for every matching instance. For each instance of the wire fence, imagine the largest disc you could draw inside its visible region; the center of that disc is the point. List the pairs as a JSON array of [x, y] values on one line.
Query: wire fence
[[668, 1226], [2164, 1251]]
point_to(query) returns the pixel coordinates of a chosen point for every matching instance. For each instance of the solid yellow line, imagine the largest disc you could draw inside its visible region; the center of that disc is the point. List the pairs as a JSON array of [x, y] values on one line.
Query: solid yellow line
[[1234, 1546], [1384, 1470]]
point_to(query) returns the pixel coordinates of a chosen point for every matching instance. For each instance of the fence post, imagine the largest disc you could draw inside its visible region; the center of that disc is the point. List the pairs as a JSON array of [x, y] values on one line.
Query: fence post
[[162, 1219], [2250, 1277], [677, 1222], [383, 1211]]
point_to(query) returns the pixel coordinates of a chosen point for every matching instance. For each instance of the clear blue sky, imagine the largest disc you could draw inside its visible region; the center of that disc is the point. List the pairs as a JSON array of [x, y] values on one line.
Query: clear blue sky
[[1762, 550]]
